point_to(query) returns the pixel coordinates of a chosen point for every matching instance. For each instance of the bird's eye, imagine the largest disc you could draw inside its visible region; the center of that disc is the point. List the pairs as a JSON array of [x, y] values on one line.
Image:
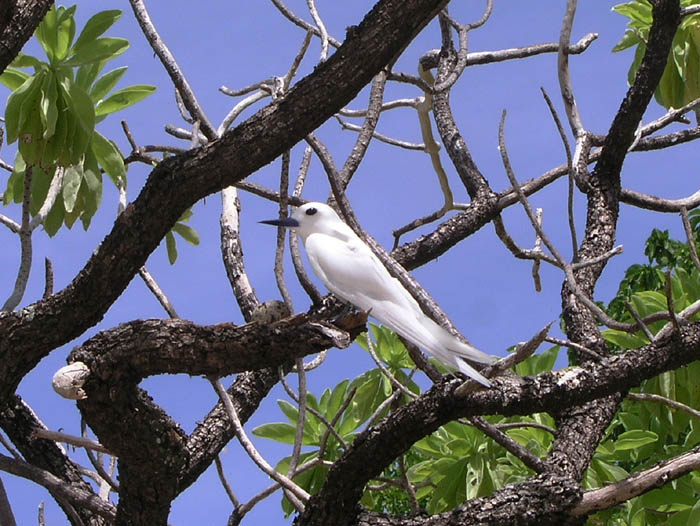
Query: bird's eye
[[311, 211]]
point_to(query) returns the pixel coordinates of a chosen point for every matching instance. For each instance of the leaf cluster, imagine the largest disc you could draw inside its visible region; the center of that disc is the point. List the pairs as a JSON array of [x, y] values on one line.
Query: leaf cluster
[[680, 83], [52, 114]]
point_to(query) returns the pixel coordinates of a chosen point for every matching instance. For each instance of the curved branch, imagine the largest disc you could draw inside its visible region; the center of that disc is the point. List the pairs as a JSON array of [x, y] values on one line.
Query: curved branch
[[375, 448], [179, 182]]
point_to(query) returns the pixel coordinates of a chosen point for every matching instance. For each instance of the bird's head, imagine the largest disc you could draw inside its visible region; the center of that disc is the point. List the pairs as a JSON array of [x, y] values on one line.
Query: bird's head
[[313, 218]]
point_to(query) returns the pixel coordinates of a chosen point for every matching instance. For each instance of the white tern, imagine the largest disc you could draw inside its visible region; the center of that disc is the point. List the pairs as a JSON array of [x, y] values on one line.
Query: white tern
[[351, 271]]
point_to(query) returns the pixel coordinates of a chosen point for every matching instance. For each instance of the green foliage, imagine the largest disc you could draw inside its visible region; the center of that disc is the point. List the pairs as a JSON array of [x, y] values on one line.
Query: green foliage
[[52, 113], [186, 232], [644, 432], [457, 463], [680, 83]]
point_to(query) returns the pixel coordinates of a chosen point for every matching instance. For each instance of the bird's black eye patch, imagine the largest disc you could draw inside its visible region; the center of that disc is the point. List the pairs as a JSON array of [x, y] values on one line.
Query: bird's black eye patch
[[311, 211]]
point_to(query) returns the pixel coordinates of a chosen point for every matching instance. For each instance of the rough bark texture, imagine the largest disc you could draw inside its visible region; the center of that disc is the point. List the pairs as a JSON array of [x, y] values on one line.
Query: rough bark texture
[[18, 20], [158, 460]]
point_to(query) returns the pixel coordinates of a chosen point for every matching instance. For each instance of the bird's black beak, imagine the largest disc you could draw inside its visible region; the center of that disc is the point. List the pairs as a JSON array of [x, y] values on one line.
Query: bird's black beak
[[286, 222]]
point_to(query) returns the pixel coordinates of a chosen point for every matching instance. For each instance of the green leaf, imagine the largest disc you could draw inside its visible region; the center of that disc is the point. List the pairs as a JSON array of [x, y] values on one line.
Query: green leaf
[[188, 233], [54, 219], [65, 31], [46, 33], [110, 159], [27, 61], [72, 178], [635, 439], [87, 74], [96, 27], [124, 98], [81, 105], [278, 431], [49, 108], [105, 83], [172, 247], [40, 188], [14, 116], [629, 39], [13, 78], [93, 188], [625, 340], [100, 49]]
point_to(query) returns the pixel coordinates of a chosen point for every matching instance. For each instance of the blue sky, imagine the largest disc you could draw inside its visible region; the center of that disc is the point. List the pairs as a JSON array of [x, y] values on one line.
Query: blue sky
[[487, 293]]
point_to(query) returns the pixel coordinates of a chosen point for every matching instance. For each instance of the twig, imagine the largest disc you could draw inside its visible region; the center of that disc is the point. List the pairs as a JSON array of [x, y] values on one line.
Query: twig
[[247, 89], [299, 269], [96, 462], [461, 64], [287, 79], [536, 425], [637, 484], [232, 253], [398, 103], [565, 86], [178, 78], [640, 322], [649, 397], [10, 223], [25, 241], [302, 23], [576, 346], [297, 495], [570, 196], [415, 506], [57, 487], [383, 138], [157, 292], [227, 487], [301, 418], [429, 60], [329, 425], [238, 109], [367, 131], [398, 385], [690, 236], [282, 233], [51, 196], [669, 302], [526, 456], [321, 28], [57, 436], [48, 278]]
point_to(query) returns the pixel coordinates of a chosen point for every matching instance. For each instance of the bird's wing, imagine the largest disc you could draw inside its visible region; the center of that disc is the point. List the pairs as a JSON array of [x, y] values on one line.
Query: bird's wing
[[350, 270]]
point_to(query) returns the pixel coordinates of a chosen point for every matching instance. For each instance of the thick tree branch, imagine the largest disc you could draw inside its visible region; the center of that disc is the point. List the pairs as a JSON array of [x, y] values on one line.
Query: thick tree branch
[[18, 20], [376, 447], [177, 183]]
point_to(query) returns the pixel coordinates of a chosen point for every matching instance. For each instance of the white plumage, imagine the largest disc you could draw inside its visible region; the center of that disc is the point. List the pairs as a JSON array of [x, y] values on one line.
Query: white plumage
[[351, 271]]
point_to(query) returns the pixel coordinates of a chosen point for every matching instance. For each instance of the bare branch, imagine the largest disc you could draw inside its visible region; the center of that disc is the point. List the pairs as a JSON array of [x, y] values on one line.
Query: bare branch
[[57, 436], [302, 23], [25, 240], [298, 496], [71, 494], [227, 487], [673, 404], [48, 278], [637, 484], [232, 253], [178, 78], [157, 292], [526, 456], [321, 28], [690, 236], [567, 90]]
